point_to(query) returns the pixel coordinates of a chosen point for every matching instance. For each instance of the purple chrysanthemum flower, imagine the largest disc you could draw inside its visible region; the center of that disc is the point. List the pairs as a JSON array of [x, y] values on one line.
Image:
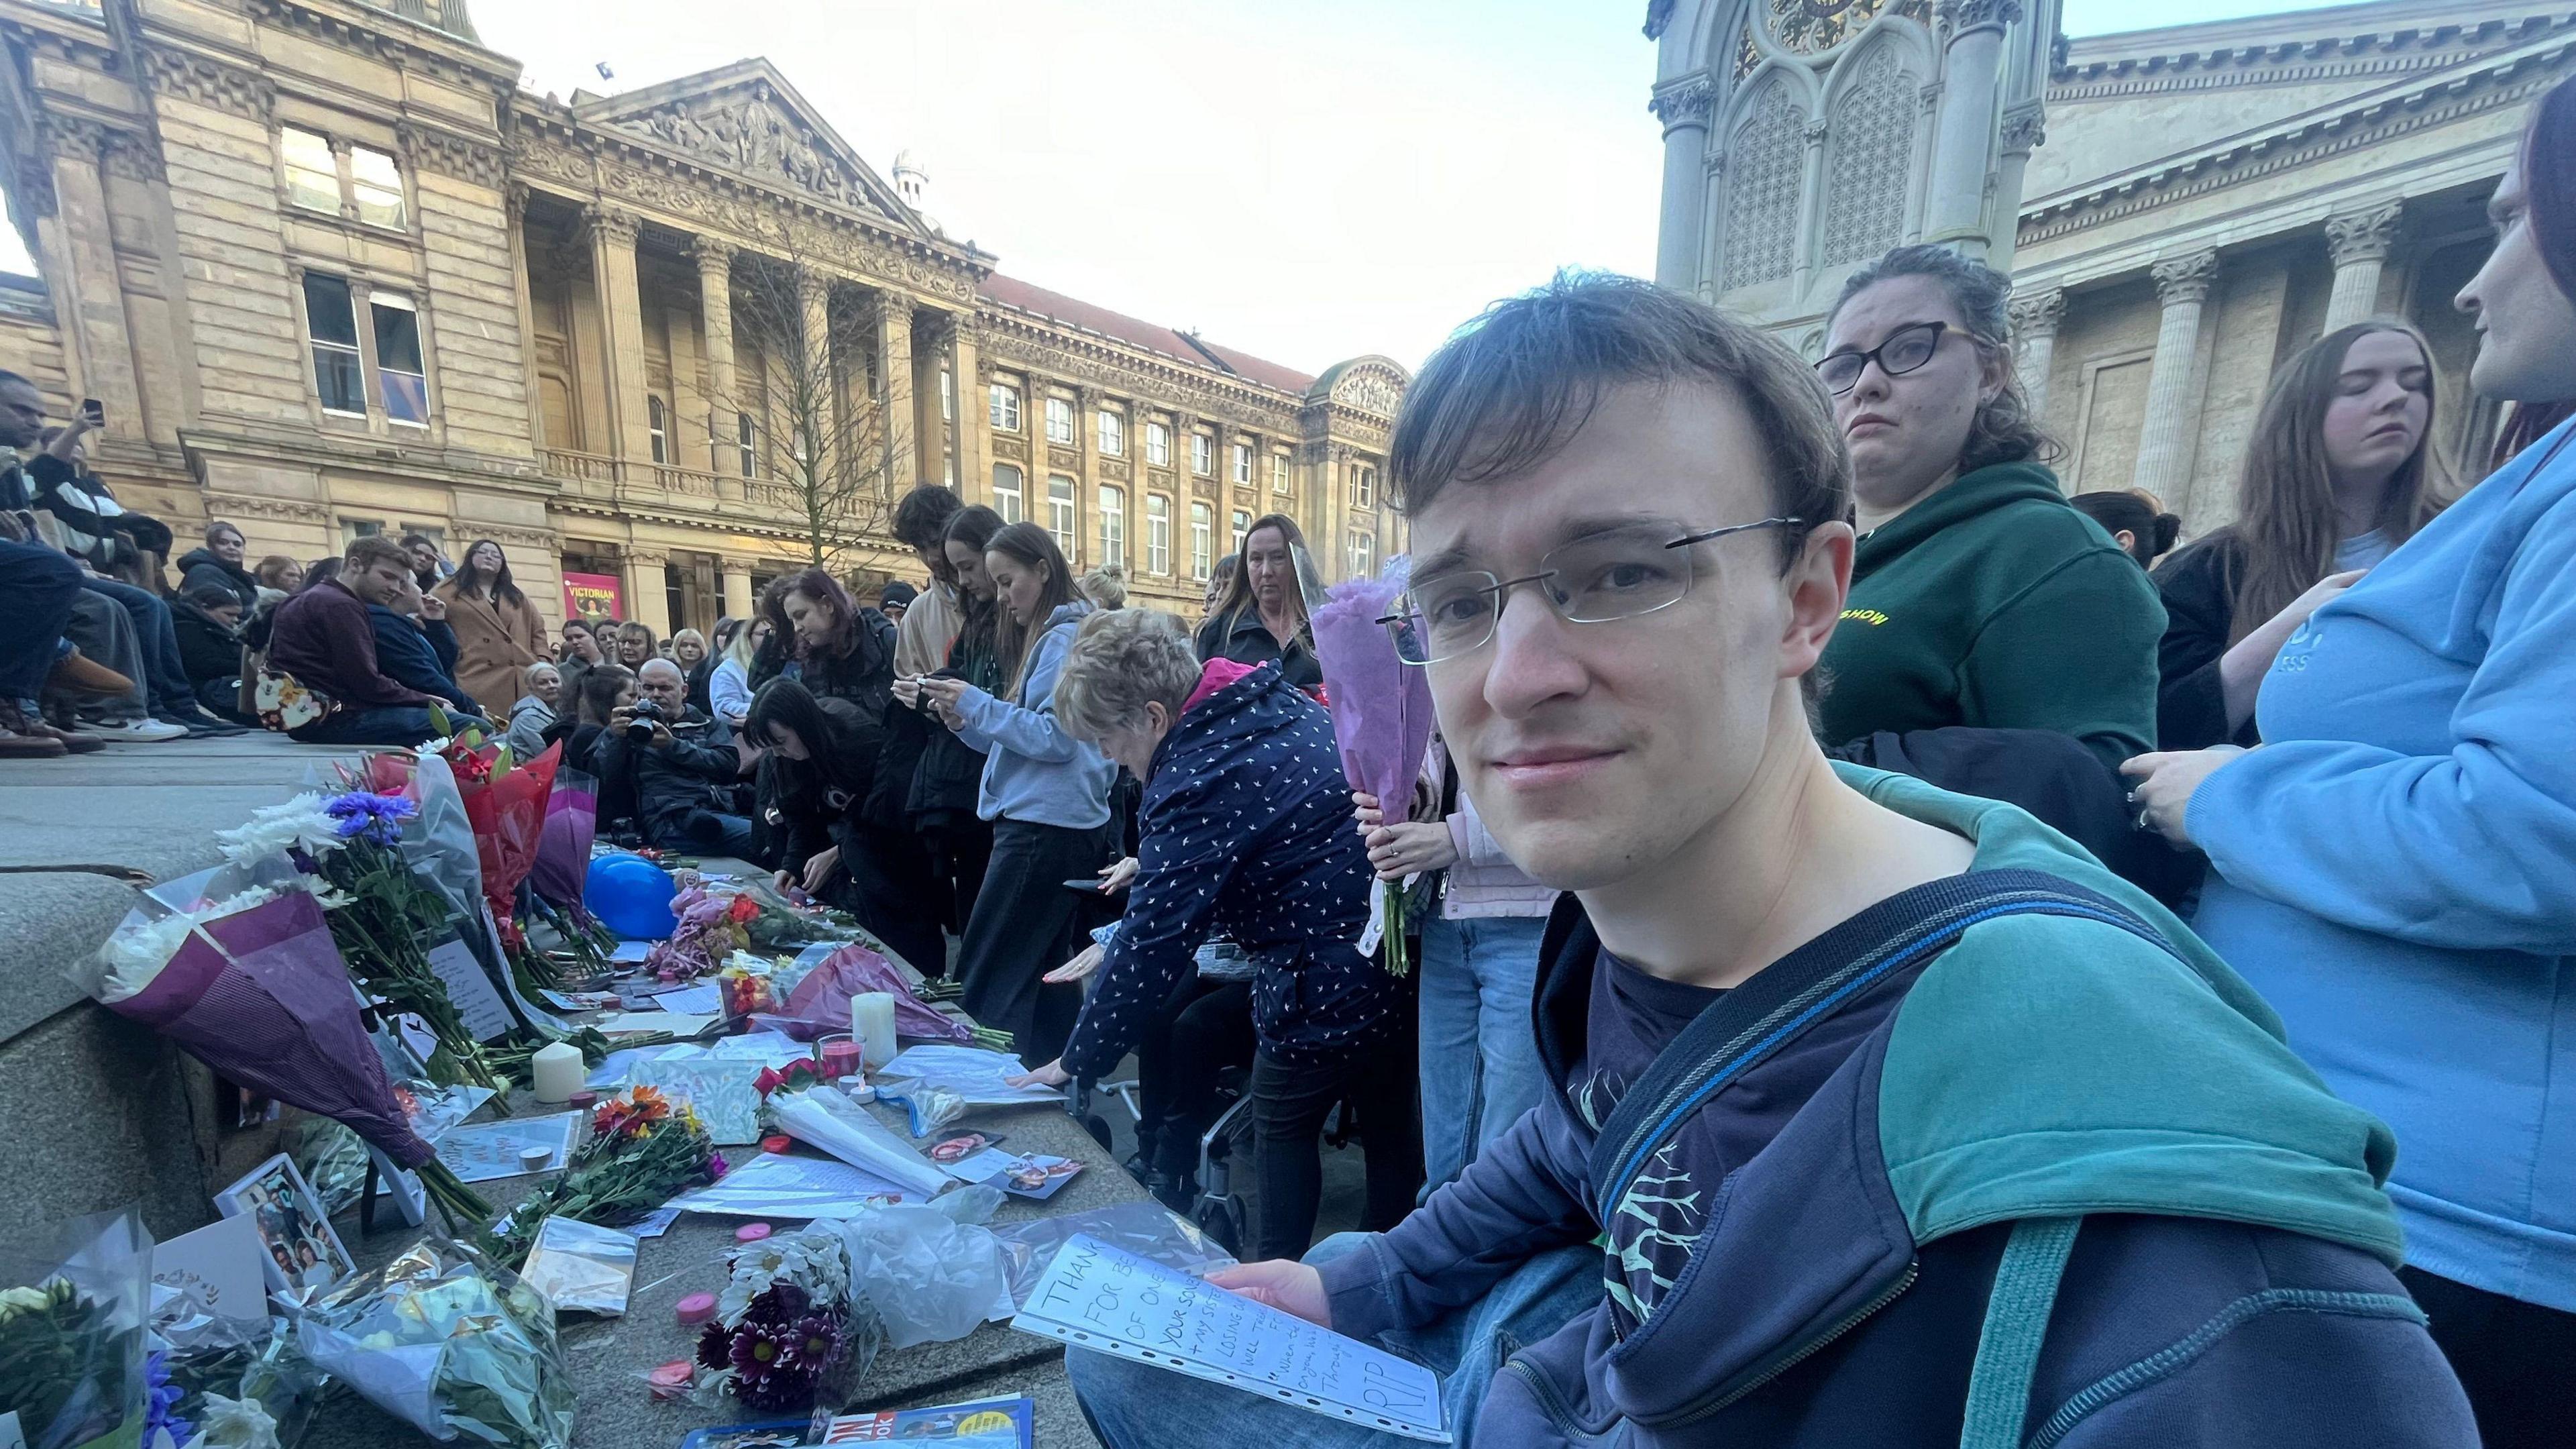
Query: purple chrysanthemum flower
[[364, 815], [161, 1409]]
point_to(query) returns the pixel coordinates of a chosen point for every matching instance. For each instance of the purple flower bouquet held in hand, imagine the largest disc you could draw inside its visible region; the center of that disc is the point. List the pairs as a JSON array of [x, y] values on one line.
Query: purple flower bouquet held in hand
[[1381, 709]]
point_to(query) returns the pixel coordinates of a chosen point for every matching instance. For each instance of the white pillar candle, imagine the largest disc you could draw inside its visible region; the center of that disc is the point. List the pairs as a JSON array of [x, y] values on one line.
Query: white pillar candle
[[872, 1022], [559, 1071]]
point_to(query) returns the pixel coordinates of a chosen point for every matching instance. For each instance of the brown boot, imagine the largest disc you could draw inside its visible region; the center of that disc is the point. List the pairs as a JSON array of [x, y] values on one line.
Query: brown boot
[[78, 671], [17, 743]]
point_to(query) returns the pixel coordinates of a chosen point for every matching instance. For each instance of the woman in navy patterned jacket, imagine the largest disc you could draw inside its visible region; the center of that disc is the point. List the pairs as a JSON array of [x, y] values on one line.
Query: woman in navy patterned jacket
[[1245, 826]]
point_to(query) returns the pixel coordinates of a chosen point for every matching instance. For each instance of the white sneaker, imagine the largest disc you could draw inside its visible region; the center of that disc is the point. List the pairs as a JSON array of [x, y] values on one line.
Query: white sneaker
[[144, 731]]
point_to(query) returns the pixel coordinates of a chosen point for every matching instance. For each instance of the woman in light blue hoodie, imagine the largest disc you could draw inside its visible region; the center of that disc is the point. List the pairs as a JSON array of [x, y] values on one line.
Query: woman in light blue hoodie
[[1046, 793], [2395, 867]]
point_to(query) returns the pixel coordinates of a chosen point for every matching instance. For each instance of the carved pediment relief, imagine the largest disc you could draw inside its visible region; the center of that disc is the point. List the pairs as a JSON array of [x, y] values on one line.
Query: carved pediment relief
[[1370, 389], [750, 132]]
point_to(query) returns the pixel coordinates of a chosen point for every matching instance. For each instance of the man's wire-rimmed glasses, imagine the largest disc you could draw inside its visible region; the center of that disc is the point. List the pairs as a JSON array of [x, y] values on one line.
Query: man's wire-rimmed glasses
[[1619, 573]]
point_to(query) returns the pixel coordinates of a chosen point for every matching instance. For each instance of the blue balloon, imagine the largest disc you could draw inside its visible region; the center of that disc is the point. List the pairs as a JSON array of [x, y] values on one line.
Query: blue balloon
[[632, 896]]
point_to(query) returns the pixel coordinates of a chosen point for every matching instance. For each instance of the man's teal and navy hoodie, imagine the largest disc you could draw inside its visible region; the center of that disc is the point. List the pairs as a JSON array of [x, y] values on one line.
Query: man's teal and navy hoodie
[[1812, 1258]]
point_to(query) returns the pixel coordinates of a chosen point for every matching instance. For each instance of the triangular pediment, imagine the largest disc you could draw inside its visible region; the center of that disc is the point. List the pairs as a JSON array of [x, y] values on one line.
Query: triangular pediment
[[747, 119]]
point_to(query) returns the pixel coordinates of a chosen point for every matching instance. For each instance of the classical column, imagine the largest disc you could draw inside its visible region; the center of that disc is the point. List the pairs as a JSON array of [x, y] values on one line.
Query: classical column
[[516, 211], [1811, 211], [2359, 242], [1965, 138], [930, 353], [621, 326], [2035, 317], [738, 602], [1683, 107], [715, 322], [94, 328], [2165, 444], [818, 386], [898, 429], [2025, 131], [648, 599]]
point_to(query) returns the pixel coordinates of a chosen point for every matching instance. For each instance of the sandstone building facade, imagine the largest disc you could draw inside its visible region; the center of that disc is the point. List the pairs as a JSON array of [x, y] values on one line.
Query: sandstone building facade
[[2193, 203], [332, 270]]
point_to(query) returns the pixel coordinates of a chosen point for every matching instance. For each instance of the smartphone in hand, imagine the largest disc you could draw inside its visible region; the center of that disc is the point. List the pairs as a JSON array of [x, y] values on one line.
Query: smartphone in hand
[[93, 412]]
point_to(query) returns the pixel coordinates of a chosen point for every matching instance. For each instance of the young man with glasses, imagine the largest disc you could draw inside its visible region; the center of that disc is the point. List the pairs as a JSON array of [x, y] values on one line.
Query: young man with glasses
[[1876, 1115]]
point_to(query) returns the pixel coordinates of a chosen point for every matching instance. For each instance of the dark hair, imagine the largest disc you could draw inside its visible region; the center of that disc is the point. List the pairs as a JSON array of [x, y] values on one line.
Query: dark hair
[[973, 526], [815, 584], [321, 570], [2549, 181], [1516, 385], [216, 525], [270, 567], [921, 521], [977, 619], [828, 733], [600, 684], [500, 585], [584, 625], [415, 538], [375, 548], [2287, 525], [1237, 600], [2126, 510], [2003, 430], [1015, 644]]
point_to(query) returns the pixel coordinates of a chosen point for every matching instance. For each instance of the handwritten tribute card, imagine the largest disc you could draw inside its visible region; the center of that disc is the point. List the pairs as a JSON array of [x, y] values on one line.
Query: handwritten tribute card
[[1094, 1296]]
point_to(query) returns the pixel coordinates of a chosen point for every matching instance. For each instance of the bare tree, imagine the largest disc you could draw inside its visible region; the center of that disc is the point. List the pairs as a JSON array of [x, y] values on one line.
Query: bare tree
[[802, 373]]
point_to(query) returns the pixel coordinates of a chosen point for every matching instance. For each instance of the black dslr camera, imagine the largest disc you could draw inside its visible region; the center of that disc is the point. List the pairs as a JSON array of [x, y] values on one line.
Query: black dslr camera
[[641, 718]]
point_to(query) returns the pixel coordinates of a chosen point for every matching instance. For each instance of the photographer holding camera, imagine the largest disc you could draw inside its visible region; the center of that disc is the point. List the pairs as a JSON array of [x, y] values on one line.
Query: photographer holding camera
[[681, 765]]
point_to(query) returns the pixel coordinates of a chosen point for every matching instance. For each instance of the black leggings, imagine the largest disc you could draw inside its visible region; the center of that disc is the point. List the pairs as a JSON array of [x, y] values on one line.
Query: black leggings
[[1206, 1029], [1023, 929], [1289, 1104], [2511, 1356], [884, 880], [959, 846]]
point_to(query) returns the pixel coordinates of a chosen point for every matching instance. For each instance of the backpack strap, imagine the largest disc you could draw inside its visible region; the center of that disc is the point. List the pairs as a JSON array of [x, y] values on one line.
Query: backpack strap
[[2017, 1311]]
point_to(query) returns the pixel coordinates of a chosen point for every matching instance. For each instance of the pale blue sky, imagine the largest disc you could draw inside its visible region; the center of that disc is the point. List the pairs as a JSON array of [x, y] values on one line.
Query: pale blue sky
[[1305, 182]]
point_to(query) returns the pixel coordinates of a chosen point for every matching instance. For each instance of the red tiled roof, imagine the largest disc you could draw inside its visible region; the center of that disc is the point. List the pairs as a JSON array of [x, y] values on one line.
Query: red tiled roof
[[1012, 292]]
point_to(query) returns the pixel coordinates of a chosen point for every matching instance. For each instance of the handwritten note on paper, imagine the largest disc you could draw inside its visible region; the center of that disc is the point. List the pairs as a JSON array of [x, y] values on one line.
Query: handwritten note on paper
[[1094, 1296], [477, 1000]]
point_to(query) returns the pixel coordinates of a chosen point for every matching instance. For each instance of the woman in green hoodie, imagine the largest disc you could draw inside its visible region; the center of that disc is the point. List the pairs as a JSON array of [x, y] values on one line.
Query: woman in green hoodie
[[1979, 596]]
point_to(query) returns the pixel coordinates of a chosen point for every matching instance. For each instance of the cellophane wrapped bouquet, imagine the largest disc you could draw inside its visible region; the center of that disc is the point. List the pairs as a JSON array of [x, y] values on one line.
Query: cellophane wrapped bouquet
[[1382, 715], [450, 1343], [790, 1331], [642, 1151], [74, 1301]]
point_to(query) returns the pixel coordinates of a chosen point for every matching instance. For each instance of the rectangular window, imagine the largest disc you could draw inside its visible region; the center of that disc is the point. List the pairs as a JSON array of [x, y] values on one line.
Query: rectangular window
[[1158, 534], [1202, 541], [1158, 445], [947, 396], [1060, 511], [1059, 414], [375, 184], [1363, 555], [744, 450], [1113, 434], [1005, 408], [1113, 526], [1006, 492], [1242, 524], [1363, 486], [1278, 474], [312, 172], [332, 318], [399, 374], [657, 423], [1202, 455], [1243, 462]]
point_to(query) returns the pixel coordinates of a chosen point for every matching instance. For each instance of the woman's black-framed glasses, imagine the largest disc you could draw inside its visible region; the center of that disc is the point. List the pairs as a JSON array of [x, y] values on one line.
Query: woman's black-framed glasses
[[1600, 578], [1897, 354]]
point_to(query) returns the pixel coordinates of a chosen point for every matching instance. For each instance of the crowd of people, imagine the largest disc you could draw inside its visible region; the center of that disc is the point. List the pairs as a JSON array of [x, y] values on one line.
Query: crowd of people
[[1908, 948]]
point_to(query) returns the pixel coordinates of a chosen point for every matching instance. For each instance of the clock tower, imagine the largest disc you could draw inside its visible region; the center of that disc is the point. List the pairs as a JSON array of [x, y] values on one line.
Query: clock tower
[[1805, 137]]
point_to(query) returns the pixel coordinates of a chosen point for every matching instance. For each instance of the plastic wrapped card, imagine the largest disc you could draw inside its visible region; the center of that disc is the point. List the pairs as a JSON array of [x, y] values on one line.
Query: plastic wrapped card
[[581, 1267], [725, 1090], [1146, 1229], [773, 1185], [971, 1072]]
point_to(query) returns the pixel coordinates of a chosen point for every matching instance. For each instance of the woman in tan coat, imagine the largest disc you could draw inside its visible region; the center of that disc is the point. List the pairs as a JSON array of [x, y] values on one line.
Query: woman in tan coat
[[498, 633]]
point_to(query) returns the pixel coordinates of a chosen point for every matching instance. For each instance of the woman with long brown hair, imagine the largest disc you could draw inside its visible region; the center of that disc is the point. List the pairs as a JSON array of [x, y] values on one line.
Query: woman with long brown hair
[[947, 781], [2395, 869], [1262, 615], [2341, 470], [498, 632], [1046, 793]]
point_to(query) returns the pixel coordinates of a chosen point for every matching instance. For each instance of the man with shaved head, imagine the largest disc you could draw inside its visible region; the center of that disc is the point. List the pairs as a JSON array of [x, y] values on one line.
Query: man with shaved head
[[685, 769]]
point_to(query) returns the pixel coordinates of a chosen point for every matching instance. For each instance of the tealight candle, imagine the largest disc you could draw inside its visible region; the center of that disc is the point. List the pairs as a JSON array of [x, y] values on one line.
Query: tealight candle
[[558, 1071]]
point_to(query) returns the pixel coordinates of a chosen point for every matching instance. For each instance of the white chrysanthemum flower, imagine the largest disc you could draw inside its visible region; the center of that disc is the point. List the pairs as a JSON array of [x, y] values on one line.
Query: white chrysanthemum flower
[[326, 895], [136, 954], [299, 824]]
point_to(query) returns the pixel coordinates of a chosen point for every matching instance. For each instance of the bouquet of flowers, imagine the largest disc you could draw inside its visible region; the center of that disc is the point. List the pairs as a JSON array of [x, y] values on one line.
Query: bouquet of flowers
[[505, 801], [710, 929], [820, 1002], [1382, 714], [562, 867], [641, 1152], [788, 1330], [72, 1357], [450, 1343], [797, 1102], [380, 912], [253, 987]]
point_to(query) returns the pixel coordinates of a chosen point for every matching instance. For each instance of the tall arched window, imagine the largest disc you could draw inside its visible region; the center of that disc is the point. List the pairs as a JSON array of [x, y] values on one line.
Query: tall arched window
[[1873, 146], [1763, 163]]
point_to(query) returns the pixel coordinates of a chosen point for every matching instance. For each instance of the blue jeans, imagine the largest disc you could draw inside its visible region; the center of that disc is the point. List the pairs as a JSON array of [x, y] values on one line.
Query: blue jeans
[[166, 672], [36, 590], [380, 724], [1134, 1406], [1480, 1068], [706, 832]]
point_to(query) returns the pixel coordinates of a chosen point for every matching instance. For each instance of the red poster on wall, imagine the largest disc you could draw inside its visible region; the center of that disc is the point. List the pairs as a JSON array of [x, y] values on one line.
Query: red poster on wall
[[593, 597]]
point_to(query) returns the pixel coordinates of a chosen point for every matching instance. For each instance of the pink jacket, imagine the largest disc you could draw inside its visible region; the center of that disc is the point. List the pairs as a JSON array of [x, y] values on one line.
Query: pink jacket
[[1483, 882]]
